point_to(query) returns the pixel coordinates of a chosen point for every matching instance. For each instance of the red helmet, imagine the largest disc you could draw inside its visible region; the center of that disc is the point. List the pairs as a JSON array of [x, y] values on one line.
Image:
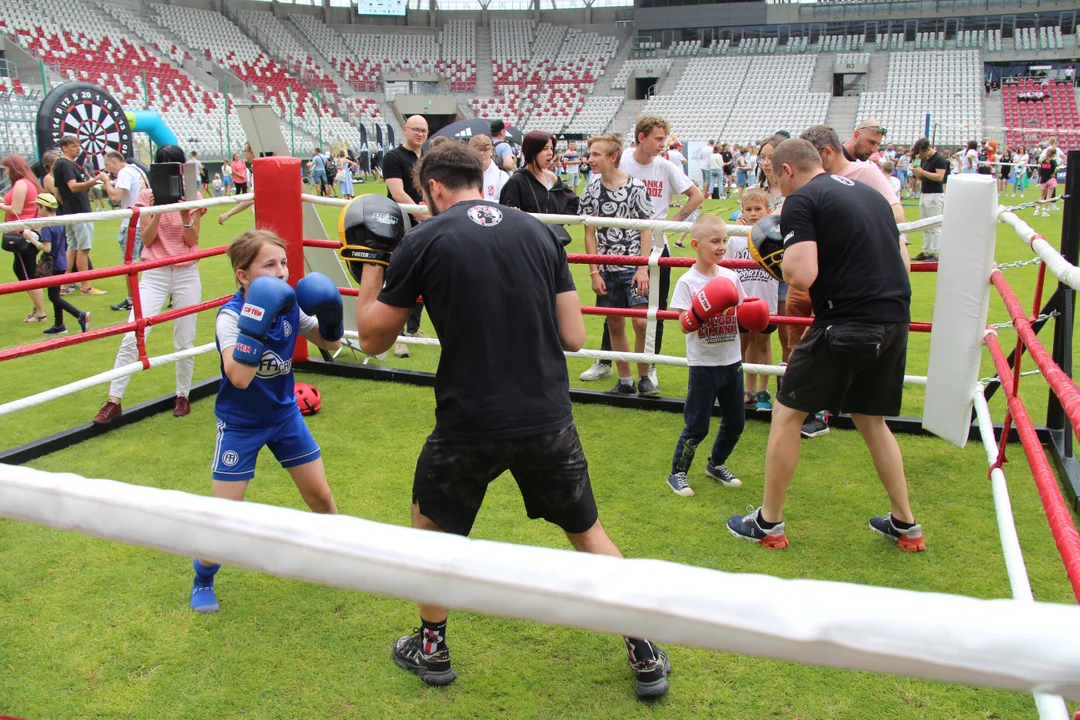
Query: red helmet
[[308, 398]]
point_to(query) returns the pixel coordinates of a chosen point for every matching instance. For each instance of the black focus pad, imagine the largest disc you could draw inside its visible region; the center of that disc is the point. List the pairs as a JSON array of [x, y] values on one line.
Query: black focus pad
[[766, 245], [369, 229]]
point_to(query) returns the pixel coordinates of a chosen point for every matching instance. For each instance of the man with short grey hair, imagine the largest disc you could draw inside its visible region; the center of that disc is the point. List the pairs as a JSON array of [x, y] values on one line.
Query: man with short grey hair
[[865, 141]]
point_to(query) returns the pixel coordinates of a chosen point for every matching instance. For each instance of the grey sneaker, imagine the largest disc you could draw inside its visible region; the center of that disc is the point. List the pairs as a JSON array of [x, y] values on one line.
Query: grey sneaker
[[622, 388], [418, 334], [722, 474], [647, 387], [816, 426], [401, 350], [596, 371], [650, 674]]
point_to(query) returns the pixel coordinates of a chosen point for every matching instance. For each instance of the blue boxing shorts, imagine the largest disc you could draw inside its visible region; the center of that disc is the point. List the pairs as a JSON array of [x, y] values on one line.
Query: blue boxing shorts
[[237, 448]]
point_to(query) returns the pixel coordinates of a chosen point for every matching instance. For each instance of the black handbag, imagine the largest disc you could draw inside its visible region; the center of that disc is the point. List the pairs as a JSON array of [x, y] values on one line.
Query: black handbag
[[14, 242]]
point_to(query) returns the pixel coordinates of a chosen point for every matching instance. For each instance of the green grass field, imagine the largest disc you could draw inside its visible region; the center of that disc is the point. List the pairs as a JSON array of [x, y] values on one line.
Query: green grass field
[[90, 628]]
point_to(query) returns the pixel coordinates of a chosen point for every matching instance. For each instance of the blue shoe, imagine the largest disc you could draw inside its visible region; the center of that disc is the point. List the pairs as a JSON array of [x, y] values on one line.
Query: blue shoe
[[679, 486], [722, 474], [747, 528], [84, 321], [764, 400], [203, 599], [55, 330]]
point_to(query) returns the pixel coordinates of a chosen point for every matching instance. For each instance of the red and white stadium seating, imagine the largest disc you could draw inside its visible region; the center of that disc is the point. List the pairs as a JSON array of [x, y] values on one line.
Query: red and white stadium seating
[[1057, 110]]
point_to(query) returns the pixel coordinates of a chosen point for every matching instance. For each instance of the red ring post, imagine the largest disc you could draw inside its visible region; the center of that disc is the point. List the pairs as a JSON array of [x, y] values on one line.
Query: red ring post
[[278, 208]]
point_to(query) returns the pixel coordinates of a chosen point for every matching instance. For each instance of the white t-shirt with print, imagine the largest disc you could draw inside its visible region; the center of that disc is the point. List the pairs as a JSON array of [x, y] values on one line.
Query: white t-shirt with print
[[716, 342], [755, 281], [131, 180], [662, 180], [494, 179]]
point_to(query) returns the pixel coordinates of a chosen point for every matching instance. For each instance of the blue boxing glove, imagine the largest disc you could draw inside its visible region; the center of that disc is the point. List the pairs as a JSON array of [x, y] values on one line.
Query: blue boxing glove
[[317, 295], [265, 299]]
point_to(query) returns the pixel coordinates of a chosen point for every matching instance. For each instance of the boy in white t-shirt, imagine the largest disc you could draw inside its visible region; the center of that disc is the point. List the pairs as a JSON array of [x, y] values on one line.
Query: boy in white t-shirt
[[494, 176], [715, 360], [756, 346]]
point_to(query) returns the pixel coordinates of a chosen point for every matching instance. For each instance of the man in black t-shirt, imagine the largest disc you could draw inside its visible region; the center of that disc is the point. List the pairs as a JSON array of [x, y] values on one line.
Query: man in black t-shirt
[[397, 169], [73, 186], [934, 172], [497, 286], [842, 244]]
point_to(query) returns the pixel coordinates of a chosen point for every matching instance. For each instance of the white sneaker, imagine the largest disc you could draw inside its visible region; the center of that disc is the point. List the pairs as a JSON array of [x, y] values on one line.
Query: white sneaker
[[418, 334], [596, 371], [401, 350], [652, 376]]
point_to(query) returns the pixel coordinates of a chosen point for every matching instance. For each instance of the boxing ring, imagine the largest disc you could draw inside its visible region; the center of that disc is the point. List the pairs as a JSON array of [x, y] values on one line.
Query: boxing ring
[[1015, 644]]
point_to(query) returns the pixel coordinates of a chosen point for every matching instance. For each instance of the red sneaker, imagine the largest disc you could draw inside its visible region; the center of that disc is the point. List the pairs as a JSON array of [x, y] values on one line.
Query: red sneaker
[[181, 407], [108, 413]]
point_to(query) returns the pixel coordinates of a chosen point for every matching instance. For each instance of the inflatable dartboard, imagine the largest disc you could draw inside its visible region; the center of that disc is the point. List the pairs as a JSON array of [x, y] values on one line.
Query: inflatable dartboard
[[91, 114]]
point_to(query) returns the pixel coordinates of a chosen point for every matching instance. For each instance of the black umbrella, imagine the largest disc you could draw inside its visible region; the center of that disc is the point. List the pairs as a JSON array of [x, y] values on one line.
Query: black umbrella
[[515, 135], [462, 130]]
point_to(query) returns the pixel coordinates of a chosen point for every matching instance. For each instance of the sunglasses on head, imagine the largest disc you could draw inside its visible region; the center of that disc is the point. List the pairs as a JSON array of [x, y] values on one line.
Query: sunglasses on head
[[876, 129]]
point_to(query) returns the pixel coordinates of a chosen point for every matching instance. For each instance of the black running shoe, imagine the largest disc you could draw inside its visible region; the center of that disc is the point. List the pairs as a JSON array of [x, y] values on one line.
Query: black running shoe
[[623, 389], [651, 674], [434, 669], [124, 305]]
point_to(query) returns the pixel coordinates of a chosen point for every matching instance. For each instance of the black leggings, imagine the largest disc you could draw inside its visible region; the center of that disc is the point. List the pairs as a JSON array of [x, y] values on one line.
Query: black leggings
[[241, 188], [24, 263], [60, 304]]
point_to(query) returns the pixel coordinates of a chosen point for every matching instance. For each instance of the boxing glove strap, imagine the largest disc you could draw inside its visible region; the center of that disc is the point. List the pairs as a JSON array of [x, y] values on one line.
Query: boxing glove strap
[[248, 350], [361, 253]]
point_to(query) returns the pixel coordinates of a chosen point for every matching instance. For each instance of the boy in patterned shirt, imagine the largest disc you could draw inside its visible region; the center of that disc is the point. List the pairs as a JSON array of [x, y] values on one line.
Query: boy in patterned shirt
[[612, 193]]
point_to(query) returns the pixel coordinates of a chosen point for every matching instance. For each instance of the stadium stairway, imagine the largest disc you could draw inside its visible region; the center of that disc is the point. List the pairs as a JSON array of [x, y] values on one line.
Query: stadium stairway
[[842, 113], [604, 86], [484, 83], [344, 88], [994, 117], [879, 72], [822, 80], [667, 85], [623, 122]]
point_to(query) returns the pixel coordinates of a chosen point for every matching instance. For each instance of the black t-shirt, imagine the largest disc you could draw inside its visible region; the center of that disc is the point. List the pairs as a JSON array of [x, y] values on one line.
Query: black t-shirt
[[728, 166], [489, 276], [71, 203], [1047, 168], [983, 168], [935, 162], [398, 163], [861, 275]]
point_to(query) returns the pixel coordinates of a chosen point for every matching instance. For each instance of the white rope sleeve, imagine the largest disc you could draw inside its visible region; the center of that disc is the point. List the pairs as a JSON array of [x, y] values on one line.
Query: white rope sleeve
[[99, 379], [1008, 644], [658, 226], [122, 214], [1050, 707], [1061, 268], [659, 241], [648, 358]]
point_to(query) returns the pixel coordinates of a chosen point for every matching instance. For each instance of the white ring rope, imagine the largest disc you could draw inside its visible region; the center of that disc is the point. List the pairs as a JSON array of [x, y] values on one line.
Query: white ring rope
[[648, 358], [100, 379], [122, 214], [1050, 707], [625, 223], [1055, 262], [1009, 644]]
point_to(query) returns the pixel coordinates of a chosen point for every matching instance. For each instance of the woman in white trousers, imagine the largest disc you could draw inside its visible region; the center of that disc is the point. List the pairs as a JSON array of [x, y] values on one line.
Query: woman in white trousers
[[163, 236]]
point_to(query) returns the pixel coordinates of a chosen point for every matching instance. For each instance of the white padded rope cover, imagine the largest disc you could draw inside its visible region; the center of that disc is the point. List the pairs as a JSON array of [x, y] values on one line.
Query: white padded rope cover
[[996, 643], [1055, 262]]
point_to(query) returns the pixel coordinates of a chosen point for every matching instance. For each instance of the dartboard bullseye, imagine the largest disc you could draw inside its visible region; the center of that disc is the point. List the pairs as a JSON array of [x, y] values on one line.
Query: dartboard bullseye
[[89, 113]]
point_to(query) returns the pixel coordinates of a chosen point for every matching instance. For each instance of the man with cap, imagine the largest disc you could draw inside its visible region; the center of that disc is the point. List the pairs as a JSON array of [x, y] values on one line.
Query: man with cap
[[838, 241], [865, 141], [504, 154], [476, 264]]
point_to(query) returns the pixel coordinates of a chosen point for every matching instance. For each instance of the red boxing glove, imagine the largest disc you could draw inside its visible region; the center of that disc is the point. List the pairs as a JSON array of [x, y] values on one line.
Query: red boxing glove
[[753, 314], [718, 295]]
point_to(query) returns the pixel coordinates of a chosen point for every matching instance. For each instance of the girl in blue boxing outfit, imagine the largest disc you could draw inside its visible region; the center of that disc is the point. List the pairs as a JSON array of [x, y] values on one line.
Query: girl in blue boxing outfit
[[257, 331]]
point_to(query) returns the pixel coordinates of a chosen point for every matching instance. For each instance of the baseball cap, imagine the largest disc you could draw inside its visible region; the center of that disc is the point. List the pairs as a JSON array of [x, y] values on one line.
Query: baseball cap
[[47, 200], [785, 133], [497, 126]]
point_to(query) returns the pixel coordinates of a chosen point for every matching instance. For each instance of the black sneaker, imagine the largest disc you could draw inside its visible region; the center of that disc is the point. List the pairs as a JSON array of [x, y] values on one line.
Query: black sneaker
[[622, 388], [434, 669], [651, 674], [124, 305], [647, 388], [816, 426], [921, 257]]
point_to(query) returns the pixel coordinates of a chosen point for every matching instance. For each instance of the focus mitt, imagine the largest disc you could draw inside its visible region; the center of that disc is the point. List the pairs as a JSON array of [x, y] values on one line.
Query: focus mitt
[[766, 245], [370, 228]]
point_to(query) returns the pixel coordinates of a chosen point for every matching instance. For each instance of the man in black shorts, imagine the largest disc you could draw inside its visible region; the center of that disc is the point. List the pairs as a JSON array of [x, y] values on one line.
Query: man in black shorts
[[496, 283], [842, 245]]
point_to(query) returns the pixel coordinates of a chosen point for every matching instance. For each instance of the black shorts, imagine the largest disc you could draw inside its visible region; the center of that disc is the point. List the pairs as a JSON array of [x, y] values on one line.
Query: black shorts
[[551, 471], [848, 367]]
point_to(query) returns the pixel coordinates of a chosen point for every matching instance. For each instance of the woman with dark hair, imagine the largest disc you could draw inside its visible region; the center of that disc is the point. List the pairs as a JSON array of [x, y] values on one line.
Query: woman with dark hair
[[535, 188], [164, 235], [20, 203]]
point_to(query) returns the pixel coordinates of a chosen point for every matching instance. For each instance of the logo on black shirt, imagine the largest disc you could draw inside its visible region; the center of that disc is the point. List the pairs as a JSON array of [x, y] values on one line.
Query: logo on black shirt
[[485, 215], [843, 180]]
